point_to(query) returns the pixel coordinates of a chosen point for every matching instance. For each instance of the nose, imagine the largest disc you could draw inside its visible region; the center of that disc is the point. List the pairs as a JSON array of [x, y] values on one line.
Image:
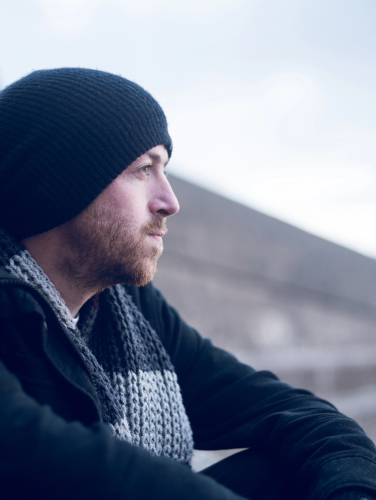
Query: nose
[[164, 202]]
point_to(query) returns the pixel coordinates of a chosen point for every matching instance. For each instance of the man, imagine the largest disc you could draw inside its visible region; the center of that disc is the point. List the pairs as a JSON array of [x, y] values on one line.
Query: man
[[104, 389]]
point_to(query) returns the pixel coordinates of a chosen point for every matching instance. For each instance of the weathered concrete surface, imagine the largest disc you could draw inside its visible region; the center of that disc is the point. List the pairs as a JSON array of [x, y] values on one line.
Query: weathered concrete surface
[[280, 298]]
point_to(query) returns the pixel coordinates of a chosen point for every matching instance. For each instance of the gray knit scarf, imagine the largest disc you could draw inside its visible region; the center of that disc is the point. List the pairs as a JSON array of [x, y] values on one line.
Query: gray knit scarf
[[128, 365]]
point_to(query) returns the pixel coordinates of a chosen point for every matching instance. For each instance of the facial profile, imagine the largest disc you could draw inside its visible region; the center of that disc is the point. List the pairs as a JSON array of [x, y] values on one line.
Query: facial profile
[[108, 252], [118, 237]]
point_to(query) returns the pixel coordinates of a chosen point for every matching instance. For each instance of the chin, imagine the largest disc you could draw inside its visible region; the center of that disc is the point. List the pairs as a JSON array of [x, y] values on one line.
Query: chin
[[138, 276]]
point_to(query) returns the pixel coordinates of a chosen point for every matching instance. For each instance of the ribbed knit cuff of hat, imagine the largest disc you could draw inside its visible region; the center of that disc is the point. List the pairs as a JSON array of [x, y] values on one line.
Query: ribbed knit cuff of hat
[[352, 494]]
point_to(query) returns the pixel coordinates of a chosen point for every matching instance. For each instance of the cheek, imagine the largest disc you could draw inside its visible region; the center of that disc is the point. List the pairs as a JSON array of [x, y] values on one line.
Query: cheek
[[130, 211], [126, 203], [131, 208]]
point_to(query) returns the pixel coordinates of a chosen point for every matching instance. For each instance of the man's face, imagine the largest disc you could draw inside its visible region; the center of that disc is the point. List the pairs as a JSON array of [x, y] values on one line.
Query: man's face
[[118, 237]]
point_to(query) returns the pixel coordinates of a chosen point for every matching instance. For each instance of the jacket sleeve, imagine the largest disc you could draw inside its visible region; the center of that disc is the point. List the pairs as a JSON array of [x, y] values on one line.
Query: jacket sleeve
[[231, 405]]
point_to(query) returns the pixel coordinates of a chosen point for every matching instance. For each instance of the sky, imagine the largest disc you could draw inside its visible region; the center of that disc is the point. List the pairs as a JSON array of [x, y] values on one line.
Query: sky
[[271, 103]]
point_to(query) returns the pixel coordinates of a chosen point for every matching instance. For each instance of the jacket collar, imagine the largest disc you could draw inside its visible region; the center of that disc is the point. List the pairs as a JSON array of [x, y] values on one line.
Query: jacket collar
[[58, 348]]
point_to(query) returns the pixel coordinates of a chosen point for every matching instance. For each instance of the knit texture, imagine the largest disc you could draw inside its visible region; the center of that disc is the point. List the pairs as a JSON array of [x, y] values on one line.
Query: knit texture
[[65, 135], [128, 365]]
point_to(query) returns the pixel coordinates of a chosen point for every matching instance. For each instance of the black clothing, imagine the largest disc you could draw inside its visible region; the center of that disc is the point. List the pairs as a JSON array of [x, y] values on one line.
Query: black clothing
[[266, 480], [53, 443]]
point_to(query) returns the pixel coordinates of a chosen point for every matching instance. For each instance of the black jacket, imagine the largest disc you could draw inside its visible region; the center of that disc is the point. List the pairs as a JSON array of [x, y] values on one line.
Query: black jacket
[[54, 445]]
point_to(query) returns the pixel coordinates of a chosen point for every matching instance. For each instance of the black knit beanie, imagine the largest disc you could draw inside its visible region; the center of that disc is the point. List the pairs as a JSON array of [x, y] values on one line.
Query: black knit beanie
[[65, 135]]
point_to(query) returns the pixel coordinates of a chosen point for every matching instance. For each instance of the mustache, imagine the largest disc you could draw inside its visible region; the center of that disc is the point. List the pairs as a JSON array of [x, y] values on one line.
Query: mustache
[[155, 226]]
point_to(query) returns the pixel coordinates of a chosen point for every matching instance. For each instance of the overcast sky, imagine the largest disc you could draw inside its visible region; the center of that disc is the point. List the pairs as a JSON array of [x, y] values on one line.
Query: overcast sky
[[270, 102]]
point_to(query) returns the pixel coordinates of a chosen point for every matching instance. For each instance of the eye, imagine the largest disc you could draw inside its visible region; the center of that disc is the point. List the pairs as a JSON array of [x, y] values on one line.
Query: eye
[[145, 170]]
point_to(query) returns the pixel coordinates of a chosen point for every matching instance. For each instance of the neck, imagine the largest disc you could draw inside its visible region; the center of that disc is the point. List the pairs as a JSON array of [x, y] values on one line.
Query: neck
[[51, 255]]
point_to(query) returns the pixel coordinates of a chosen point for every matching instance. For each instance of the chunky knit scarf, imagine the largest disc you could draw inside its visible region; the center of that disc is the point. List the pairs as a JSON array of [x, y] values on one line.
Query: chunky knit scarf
[[128, 365]]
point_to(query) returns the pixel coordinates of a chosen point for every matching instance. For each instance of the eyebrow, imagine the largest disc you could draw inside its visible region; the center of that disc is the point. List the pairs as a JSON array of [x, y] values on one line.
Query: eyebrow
[[157, 157]]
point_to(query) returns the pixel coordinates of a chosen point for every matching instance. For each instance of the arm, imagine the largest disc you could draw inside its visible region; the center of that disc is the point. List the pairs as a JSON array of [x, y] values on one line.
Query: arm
[[230, 405]]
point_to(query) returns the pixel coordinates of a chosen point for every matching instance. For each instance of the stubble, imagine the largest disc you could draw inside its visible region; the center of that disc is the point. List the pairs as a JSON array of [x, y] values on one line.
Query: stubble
[[102, 250]]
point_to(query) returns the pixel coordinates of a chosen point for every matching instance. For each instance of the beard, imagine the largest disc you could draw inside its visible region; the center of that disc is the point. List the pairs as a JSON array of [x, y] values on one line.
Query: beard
[[101, 250]]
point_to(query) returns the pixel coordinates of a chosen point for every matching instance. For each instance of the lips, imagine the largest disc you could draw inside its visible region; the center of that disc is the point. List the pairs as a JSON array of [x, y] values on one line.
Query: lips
[[156, 228]]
